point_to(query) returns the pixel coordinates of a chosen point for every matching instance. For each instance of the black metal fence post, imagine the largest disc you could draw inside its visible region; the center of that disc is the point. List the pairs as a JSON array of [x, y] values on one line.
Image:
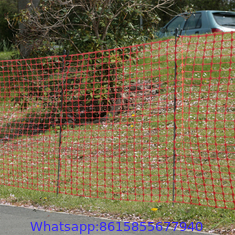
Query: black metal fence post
[[61, 107], [174, 154]]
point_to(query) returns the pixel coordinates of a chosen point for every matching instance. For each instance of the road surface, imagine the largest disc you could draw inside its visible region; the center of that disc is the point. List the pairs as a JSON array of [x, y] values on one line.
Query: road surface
[[24, 221]]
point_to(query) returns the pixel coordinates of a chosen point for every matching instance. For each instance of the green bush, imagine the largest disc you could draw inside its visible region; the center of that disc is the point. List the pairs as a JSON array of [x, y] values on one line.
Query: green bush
[[90, 84]]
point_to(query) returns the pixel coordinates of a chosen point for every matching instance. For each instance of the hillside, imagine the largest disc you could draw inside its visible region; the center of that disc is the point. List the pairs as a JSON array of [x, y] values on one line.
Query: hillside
[[130, 156]]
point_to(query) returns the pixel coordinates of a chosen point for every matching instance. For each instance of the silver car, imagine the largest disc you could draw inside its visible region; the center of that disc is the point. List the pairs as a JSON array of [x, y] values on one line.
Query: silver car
[[200, 22]]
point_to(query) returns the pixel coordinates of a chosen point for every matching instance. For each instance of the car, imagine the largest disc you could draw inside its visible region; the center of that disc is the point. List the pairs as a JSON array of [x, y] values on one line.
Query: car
[[199, 22]]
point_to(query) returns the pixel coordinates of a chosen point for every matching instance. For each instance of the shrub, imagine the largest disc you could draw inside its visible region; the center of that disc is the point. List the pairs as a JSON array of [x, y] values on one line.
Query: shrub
[[90, 82]]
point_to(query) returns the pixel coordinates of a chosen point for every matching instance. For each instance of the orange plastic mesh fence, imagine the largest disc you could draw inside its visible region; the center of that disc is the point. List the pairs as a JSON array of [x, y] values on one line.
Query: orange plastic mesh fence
[[117, 118]]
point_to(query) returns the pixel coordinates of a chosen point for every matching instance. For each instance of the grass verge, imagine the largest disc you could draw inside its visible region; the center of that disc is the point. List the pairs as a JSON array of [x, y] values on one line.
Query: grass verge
[[219, 221]]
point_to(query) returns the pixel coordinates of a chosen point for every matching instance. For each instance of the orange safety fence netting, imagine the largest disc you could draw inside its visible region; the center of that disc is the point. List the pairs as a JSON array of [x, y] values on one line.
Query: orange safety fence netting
[[117, 119]]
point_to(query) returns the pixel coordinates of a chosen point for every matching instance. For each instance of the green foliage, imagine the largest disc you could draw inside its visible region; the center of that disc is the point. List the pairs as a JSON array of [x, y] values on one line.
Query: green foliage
[[197, 5], [222, 5], [92, 94], [124, 30], [7, 9], [5, 45], [102, 26], [87, 96]]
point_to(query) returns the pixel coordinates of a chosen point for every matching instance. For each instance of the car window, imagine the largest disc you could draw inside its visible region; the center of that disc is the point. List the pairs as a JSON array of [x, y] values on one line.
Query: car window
[[224, 19], [177, 23], [193, 22]]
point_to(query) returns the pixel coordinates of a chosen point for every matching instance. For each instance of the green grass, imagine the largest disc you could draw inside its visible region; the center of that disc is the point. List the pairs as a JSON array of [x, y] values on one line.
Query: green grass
[[132, 159], [7, 55], [212, 219]]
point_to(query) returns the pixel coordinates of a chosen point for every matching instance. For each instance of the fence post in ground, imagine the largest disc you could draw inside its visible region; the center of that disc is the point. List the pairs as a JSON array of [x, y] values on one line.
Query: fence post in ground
[[61, 115], [174, 157]]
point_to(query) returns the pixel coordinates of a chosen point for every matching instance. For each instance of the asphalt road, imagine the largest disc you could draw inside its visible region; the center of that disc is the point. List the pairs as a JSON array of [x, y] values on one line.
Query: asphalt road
[[22, 221]]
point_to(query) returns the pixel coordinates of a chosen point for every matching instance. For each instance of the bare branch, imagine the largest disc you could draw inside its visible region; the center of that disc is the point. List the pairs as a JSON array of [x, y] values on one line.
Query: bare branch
[[64, 3], [47, 22]]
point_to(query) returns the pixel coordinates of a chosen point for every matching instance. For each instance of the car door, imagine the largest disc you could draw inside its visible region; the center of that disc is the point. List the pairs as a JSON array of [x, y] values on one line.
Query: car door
[[193, 24], [177, 22]]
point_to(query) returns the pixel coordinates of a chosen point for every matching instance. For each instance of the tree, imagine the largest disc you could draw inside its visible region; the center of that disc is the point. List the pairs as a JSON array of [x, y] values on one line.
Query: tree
[[82, 25], [88, 25], [25, 48]]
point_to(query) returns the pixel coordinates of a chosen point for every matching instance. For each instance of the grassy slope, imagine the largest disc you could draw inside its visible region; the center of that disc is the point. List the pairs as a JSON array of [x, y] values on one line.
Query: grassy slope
[[132, 158]]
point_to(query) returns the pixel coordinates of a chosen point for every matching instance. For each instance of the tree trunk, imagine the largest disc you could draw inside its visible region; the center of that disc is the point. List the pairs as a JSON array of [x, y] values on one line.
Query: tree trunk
[[25, 49]]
